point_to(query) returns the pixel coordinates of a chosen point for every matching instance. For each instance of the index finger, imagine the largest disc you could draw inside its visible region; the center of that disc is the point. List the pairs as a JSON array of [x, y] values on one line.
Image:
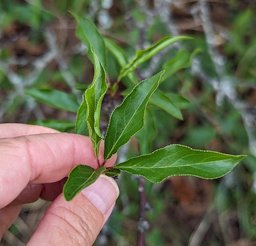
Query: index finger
[[11, 130], [42, 158]]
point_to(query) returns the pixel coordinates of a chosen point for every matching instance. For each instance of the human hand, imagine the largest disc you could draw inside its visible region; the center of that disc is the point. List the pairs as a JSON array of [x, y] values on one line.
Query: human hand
[[33, 164]]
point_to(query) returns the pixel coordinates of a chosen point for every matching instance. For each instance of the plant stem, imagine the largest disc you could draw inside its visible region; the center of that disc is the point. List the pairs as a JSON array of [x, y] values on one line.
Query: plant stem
[[98, 163], [142, 223]]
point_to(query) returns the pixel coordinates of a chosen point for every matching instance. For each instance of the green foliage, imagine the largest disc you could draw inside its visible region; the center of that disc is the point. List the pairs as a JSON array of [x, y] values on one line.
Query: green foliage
[[54, 98], [180, 61], [179, 160], [88, 34], [121, 58], [143, 55], [80, 177], [29, 14], [164, 102], [180, 101], [243, 46], [25, 28], [81, 127], [148, 133], [93, 97], [116, 51], [134, 116], [60, 125], [129, 117]]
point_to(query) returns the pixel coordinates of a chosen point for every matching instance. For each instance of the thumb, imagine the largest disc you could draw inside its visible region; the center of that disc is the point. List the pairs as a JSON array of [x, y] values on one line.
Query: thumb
[[77, 222]]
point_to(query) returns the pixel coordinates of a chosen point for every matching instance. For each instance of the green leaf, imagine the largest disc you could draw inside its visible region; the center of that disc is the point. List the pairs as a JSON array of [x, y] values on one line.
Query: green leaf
[[79, 178], [164, 102], [178, 100], [144, 55], [93, 98], [81, 126], [60, 125], [180, 61], [148, 133], [81, 86], [179, 160], [117, 52], [121, 58], [88, 33], [55, 98], [128, 117], [200, 136]]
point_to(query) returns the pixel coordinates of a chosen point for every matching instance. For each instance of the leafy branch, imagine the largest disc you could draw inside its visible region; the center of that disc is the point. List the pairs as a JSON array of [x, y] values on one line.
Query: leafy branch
[[128, 119], [133, 116]]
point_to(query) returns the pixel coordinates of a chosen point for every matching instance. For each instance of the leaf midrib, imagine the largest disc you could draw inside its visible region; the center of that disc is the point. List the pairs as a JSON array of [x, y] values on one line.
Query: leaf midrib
[[130, 65], [81, 186], [173, 166], [130, 119]]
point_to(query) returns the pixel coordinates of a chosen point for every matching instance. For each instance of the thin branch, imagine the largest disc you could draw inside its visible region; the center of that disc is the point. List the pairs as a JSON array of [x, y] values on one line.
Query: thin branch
[[198, 235], [143, 224], [68, 77]]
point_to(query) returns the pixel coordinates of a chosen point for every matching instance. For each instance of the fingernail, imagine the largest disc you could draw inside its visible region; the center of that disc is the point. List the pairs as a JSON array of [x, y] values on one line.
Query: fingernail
[[102, 194]]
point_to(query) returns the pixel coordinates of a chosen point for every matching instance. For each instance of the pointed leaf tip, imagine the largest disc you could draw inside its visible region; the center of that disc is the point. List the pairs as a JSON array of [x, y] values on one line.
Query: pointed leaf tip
[[88, 33], [128, 117], [144, 55], [179, 160]]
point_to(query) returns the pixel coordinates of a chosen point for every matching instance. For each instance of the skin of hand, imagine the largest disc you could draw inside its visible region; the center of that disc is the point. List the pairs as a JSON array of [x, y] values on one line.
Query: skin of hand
[[34, 162]]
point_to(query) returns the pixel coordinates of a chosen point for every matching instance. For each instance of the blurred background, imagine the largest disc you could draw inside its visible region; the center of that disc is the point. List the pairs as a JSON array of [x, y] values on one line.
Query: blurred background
[[216, 79]]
